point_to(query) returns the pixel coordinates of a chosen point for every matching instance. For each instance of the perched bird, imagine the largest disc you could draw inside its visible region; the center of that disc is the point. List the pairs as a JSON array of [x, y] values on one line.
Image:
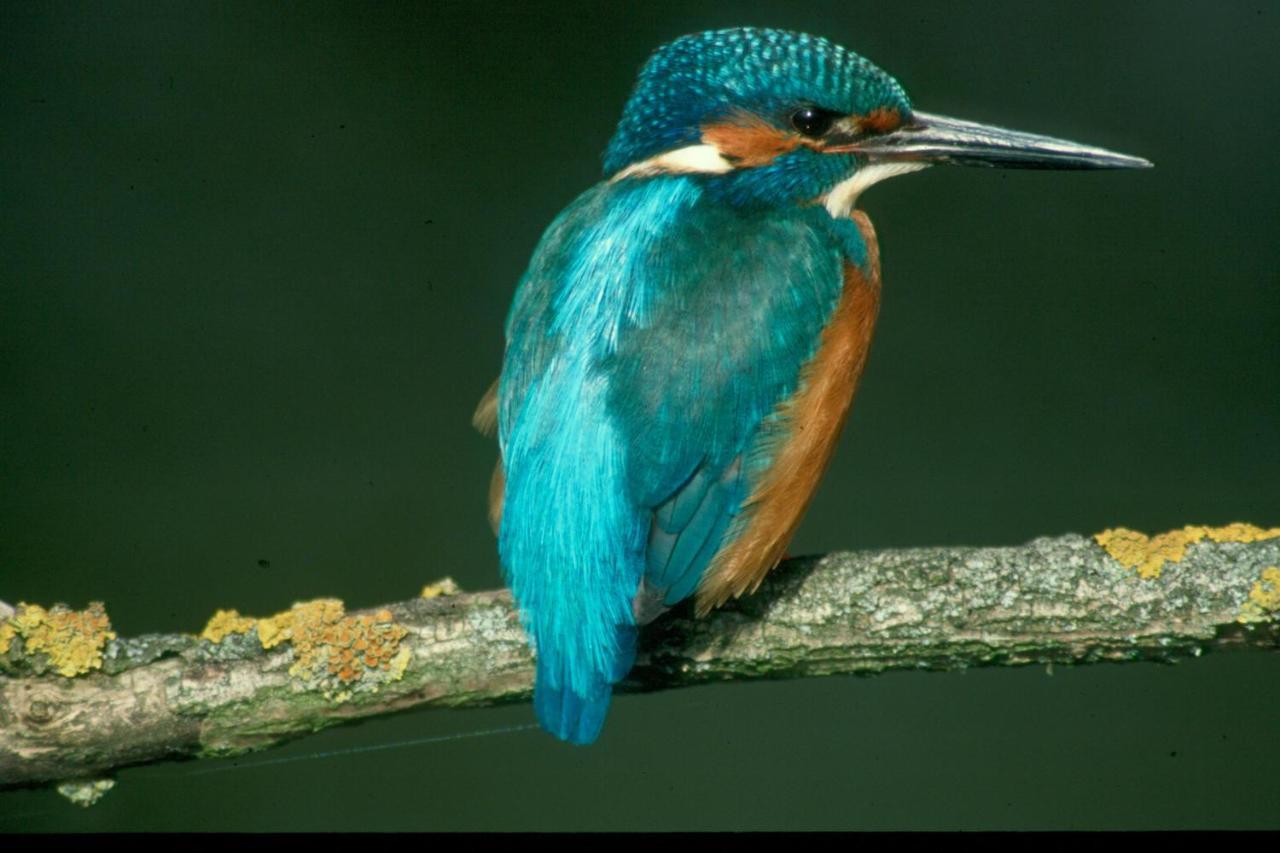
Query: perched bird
[[683, 349]]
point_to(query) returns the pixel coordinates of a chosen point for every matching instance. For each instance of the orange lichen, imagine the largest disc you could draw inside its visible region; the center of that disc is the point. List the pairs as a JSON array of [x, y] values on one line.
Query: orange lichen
[[1264, 598], [226, 622], [72, 640], [277, 629], [337, 652], [1148, 554]]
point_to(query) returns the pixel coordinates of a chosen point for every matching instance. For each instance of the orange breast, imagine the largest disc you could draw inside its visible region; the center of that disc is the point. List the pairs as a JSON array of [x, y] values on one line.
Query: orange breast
[[815, 415]]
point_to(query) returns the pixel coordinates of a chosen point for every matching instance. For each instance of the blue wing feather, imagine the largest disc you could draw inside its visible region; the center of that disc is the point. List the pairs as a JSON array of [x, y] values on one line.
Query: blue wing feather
[[673, 514], [688, 529], [652, 334]]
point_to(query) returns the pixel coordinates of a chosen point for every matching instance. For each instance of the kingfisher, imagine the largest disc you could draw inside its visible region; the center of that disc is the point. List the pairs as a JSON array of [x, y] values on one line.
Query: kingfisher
[[683, 349]]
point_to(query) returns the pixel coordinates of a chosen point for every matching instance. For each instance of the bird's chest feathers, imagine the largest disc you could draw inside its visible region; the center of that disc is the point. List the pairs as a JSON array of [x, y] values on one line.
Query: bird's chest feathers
[[660, 261], [678, 323]]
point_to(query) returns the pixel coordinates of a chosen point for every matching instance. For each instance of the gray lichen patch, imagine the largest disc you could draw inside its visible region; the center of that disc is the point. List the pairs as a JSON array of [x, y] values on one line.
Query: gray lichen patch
[[121, 655]]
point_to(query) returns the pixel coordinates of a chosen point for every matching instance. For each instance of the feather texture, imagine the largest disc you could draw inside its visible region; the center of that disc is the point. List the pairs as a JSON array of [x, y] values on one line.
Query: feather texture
[[791, 450], [652, 336], [684, 347]]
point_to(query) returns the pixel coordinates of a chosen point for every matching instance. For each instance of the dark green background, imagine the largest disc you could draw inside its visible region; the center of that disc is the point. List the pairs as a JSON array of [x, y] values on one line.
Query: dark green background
[[254, 261]]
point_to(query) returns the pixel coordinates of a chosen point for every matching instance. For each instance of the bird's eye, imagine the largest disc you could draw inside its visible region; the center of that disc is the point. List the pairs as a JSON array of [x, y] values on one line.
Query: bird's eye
[[813, 121]]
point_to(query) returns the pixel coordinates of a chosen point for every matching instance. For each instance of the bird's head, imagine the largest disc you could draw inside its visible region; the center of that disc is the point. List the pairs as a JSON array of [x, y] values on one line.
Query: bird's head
[[774, 117]]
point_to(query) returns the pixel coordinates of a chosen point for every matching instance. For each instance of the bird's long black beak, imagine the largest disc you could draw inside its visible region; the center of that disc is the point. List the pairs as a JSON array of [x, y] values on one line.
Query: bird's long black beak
[[927, 138]]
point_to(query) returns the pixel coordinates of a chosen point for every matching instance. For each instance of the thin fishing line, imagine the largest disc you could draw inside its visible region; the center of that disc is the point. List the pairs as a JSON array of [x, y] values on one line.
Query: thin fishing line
[[375, 748], [9, 818]]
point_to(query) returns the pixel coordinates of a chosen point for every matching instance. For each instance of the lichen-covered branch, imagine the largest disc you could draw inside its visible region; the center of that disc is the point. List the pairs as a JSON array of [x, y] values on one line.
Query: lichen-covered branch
[[76, 702]]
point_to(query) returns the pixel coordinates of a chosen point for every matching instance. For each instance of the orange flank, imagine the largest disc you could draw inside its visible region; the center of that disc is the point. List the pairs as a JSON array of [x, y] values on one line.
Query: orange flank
[[497, 494], [485, 420], [815, 415]]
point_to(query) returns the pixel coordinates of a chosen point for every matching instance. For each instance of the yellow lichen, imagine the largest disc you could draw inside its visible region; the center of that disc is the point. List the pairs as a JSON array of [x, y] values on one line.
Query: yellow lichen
[[337, 652], [399, 664], [275, 630], [1239, 532], [444, 586], [1148, 554], [226, 622], [72, 640], [1264, 598]]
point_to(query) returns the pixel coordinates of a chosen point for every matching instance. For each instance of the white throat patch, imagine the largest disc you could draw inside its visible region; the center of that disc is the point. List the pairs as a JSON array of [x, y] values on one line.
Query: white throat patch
[[844, 195], [706, 159]]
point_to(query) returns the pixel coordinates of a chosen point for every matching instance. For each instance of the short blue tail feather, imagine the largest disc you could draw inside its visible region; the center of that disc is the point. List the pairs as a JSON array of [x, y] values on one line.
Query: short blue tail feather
[[576, 716]]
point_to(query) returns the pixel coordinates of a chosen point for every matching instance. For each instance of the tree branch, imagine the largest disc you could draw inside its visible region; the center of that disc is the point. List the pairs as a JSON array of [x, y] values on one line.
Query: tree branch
[[1054, 600]]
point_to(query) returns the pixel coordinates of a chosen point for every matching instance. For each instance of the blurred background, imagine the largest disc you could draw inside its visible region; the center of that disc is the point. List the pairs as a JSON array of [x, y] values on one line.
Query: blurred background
[[254, 264]]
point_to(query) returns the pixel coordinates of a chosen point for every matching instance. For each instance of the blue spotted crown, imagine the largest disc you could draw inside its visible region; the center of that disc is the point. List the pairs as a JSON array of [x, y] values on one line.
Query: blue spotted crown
[[699, 77]]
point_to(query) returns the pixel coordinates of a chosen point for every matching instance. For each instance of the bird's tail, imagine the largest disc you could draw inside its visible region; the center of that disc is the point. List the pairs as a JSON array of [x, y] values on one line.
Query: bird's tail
[[576, 712]]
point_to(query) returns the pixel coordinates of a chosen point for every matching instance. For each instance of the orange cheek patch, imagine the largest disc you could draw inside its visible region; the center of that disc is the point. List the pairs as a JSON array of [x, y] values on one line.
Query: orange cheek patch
[[749, 141], [880, 120]]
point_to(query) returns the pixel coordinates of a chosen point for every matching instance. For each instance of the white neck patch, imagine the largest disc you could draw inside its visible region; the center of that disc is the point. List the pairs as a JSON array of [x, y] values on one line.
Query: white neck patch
[[844, 195], [706, 159], [692, 159]]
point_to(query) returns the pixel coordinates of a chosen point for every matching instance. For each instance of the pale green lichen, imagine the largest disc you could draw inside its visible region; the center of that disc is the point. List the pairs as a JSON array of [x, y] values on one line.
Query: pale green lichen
[[71, 640], [1147, 555], [85, 794], [1264, 598]]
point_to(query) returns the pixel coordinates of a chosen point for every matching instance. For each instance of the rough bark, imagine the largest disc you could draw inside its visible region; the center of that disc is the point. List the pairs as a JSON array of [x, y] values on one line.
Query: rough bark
[[1055, 600]]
